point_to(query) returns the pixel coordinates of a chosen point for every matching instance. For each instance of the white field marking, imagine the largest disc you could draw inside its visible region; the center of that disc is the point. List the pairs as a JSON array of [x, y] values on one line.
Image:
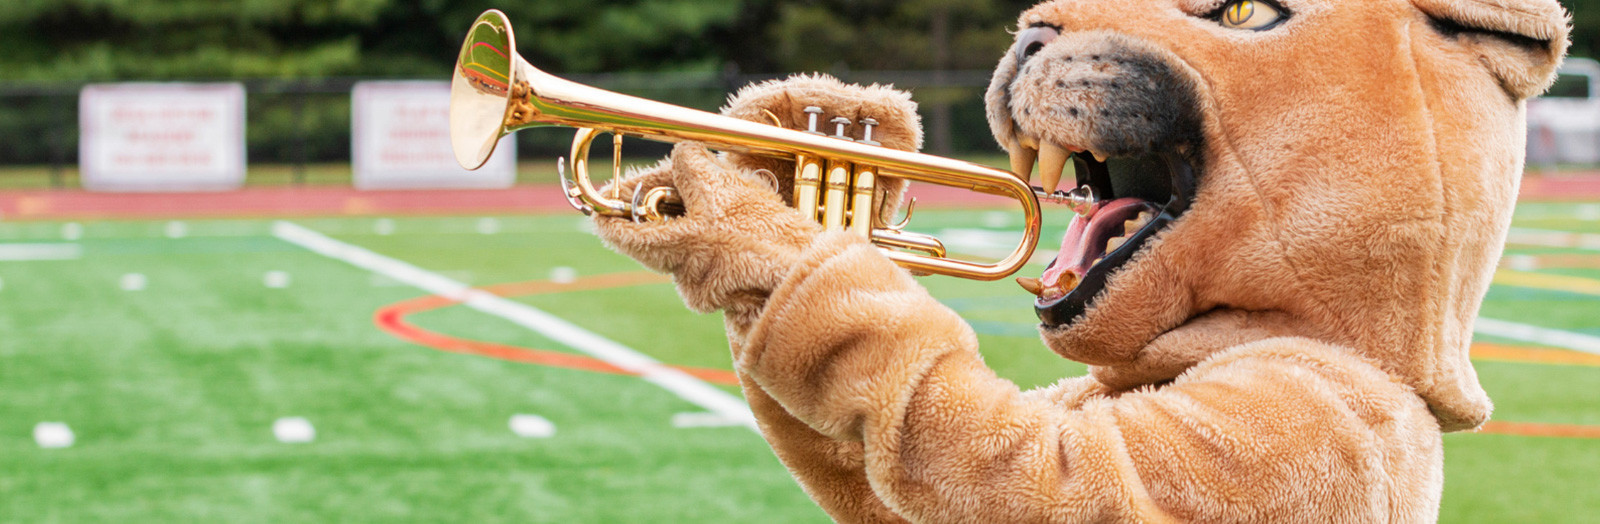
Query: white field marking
[[1538, 335], [177, 229], [977, 241], [53, 435], [1522, 262], [488, 226], [996, 219], [30, 252], [71, 231], [276, 279], [380, 280], [133, 282], [701, 420], [1549, 238], [383, 227], [1589, 212], [683, 385], [293, 430], [532, 426], [991, 244], [983, 242], [563, 275]]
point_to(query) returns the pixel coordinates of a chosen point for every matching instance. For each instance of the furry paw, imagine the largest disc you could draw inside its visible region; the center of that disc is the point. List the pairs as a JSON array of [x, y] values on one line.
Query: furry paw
[[898, 127], [734, 243]]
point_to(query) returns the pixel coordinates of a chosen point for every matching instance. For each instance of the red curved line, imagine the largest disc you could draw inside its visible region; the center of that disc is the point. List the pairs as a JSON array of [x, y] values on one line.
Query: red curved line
[[1534, 429], [491, 48], [392, 319], [479, 76]]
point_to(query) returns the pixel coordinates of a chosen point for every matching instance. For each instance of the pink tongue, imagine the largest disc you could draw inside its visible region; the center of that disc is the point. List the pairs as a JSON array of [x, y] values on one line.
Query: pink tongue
[[1085, 240]]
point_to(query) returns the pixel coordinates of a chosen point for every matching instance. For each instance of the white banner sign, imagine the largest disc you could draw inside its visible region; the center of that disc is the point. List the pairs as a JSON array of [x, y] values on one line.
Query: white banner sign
[[401, 140], [162, 137]]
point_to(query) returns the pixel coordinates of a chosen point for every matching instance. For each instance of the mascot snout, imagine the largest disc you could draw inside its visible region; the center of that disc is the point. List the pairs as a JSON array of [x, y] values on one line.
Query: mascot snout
[[1123, 118]]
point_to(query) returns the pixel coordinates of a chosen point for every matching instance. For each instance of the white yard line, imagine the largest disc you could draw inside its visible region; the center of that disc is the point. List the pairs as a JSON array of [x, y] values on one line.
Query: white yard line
[[29, 252], [1538, 335], [1552, 238], [1535, 334], [687, 387]]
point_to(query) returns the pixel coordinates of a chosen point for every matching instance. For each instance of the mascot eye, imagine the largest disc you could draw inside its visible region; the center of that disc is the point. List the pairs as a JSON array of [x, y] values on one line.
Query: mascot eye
[[1249, 14], [1032, 39]]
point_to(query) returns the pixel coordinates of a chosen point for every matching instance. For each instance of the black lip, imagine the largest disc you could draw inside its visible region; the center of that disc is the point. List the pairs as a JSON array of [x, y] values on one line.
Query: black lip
[[1069, 308]]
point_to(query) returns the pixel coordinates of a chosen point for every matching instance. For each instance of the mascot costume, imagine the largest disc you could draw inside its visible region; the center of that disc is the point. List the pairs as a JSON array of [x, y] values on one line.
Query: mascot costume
[[1326, 187]]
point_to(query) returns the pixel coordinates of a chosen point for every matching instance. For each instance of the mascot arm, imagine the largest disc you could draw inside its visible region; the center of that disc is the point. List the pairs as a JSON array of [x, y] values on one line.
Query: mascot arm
[[850, 346], [731, 249]]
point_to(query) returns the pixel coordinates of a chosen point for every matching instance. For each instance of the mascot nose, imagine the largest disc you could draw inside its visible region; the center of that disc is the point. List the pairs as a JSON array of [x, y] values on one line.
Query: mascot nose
[[1031, 40]]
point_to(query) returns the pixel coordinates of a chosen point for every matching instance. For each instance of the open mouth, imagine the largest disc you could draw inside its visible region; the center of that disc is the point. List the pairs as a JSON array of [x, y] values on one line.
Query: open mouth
[[1122, 202]]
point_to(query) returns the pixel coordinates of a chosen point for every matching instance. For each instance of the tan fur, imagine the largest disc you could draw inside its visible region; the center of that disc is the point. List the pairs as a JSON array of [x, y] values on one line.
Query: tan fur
[[1289, 350]]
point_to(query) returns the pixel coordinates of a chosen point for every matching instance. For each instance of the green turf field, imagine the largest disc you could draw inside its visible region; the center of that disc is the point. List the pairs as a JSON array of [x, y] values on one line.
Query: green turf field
[[172, 390]]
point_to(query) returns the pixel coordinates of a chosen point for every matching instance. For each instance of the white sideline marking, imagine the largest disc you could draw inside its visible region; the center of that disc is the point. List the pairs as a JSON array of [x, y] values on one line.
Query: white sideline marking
[[1538, 335], [990, 243], [563, 275], [30, 252], [276, 280], [133, 282], [176, 229], [71, 231], [293, 430], [701, 420], [53, 435], [1549, 238], [532, 426], [1522, 262], [679, 383], [1541, 335], [488, 226]]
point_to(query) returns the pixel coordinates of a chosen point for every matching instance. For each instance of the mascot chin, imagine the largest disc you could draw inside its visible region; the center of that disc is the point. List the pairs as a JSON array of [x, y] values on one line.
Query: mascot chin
[[1298, 207]]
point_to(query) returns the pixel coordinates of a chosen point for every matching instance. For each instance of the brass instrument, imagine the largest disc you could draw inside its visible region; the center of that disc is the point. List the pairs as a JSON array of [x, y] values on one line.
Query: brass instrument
[[495, 92]]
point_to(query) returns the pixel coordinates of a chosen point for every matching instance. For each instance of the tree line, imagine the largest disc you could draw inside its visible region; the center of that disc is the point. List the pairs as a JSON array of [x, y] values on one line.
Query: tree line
[[68, 42], [100, 40]]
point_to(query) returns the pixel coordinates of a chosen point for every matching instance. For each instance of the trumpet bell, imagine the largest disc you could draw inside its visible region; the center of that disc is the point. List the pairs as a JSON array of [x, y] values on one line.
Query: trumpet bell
[[481, 89]]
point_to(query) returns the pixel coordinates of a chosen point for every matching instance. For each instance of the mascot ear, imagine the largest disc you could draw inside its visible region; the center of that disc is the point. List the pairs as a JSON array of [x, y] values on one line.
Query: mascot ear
[[1520, 41]]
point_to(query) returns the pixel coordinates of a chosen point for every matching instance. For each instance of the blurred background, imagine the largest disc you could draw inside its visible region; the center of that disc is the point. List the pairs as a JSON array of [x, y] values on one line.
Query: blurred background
[[240, 280]]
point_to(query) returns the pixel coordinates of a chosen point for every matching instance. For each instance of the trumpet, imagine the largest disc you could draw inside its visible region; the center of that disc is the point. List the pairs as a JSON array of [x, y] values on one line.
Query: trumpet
[[496, 92]]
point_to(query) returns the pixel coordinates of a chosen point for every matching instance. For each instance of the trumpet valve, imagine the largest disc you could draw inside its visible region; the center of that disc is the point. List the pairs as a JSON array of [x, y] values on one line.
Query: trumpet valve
[[861, 204], [866, 134], [839, 123], [812, 112]]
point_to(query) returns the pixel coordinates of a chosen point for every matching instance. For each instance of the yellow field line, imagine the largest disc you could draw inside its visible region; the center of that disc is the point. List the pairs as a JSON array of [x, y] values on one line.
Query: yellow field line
[[486, 69], [1527, 355], [1528, 279]]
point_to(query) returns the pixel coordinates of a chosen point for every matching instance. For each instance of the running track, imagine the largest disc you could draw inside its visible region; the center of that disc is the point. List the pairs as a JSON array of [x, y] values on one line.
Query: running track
[[284, 202]]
